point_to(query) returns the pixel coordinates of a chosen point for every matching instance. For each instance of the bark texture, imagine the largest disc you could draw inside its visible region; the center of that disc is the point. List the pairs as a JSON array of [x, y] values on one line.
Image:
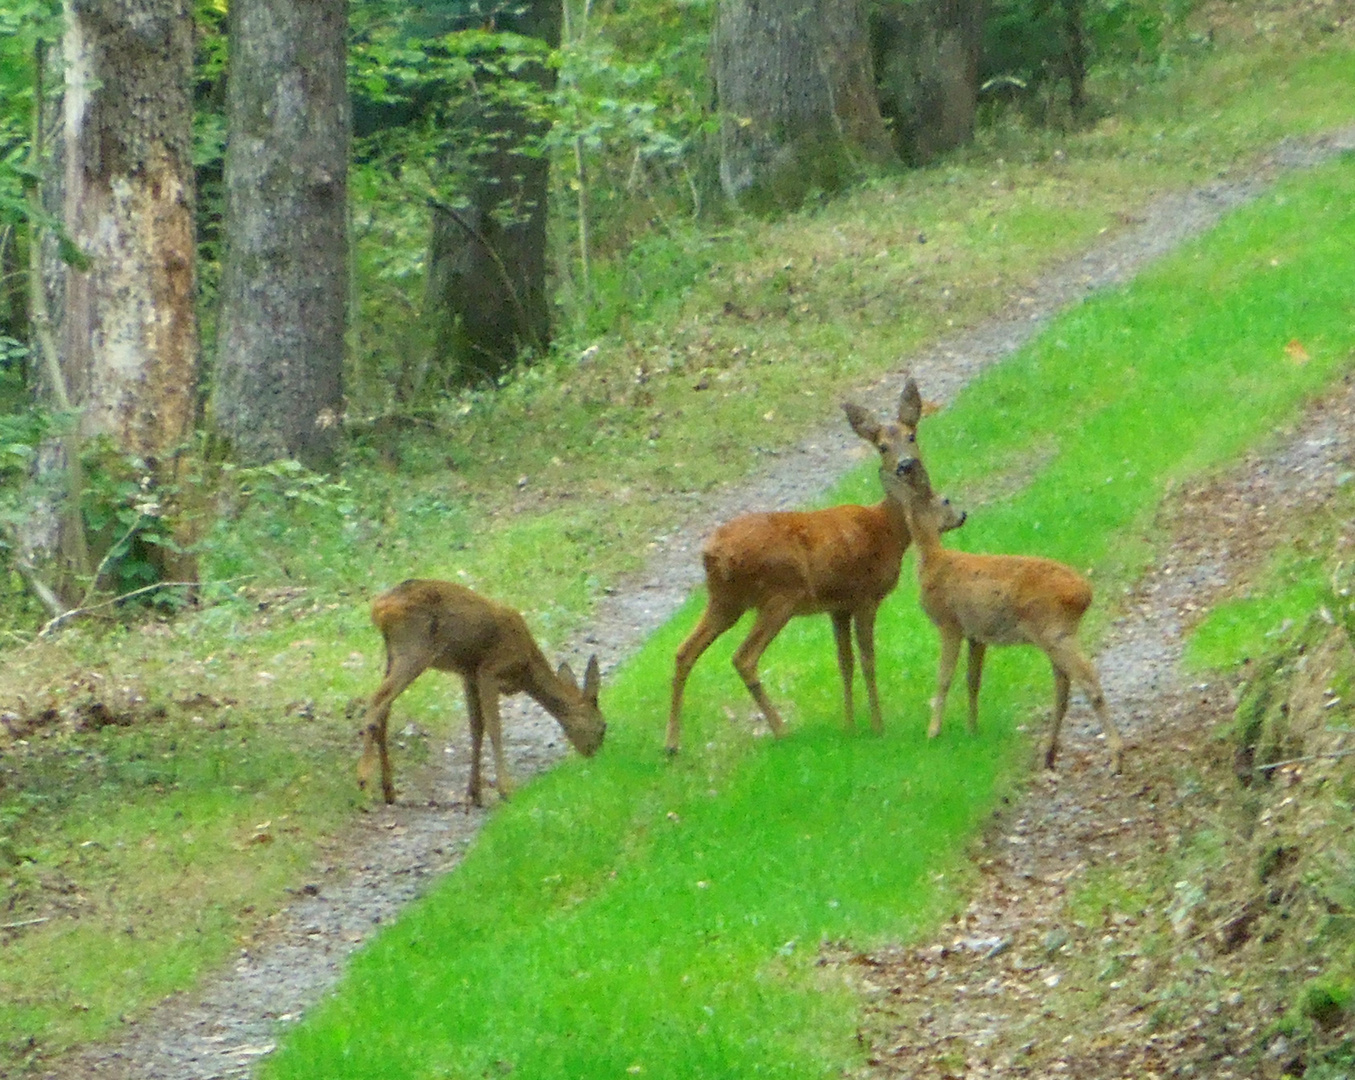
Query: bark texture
[[486, 296], [796, 91], [129, 336], [280, 346], [927, 65]]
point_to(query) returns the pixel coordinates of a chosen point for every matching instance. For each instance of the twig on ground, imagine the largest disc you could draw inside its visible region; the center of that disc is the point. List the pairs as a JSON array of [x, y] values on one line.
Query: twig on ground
[[56, 623], [24, 922], [1309, 757]]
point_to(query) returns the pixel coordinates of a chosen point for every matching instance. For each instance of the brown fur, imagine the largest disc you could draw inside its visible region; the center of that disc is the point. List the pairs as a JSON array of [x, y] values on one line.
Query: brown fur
[[998, 600], [842, 561], [446, 626]]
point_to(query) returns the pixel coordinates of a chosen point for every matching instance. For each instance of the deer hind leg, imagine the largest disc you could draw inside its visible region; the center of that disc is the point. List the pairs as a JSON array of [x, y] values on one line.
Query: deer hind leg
[[714, 622], [475, 720], [846, 663], [974, 676], [771, 619], [1067, 657], [865, 640], [1061, 688], [401, 670], [950, 655]]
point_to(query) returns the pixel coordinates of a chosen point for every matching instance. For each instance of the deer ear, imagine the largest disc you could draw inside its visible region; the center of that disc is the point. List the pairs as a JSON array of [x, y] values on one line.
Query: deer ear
[[592, 679], [566, 674], [910, 403], [861, 421]]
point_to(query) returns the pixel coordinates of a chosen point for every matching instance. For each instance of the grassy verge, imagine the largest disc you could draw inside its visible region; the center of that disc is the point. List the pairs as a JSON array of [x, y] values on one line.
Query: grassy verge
[[773, 321], [629, 914]]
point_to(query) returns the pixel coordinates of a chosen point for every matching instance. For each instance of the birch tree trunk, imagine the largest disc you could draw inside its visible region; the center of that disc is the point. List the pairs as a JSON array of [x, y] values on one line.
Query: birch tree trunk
[[128, 338], [796, 90], [280, 346]]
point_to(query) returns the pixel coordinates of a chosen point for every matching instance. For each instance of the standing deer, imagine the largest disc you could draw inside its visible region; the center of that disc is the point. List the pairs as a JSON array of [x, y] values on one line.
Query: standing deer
[[997, 600], [843, 561], [442, 625]]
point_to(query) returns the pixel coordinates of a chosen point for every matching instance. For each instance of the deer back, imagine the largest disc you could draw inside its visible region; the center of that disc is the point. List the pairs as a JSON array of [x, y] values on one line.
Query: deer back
[[826, 558], [1001, 599], [455, 628]]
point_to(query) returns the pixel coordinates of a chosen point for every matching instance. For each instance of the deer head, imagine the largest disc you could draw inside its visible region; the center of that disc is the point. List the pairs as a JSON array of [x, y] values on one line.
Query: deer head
[[582, 722]]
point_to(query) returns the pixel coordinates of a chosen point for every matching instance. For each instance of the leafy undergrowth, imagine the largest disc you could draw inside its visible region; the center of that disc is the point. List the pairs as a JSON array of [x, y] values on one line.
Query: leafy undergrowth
[[1234, 940], [237, 765]]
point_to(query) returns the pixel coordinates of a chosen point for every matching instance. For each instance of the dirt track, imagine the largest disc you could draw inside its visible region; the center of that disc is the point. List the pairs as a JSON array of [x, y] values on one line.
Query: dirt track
[[228, 1024]]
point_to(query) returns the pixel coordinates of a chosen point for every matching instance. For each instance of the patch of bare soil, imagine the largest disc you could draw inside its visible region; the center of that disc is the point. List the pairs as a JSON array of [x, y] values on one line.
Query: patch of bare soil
[[1024, 983], [225, 1027]]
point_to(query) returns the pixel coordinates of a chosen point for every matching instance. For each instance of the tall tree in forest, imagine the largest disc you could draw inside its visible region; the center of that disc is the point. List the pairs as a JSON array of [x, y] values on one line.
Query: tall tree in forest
[[486, 295], [128, 335], [797, 97], [280, 345], [927, 55]]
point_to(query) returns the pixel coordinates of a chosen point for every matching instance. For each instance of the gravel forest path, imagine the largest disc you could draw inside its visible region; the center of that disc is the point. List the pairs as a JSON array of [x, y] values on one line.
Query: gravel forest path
[[222, 1029]]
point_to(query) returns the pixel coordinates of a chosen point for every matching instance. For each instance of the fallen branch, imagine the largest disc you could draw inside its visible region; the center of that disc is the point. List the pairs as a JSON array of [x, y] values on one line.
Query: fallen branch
[[24, 922], [55, 623], [1300, 760], [108, 558], [39, 588]]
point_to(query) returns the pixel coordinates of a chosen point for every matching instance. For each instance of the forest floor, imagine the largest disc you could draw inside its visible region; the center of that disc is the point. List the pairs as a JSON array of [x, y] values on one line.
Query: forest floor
[[929, 998]]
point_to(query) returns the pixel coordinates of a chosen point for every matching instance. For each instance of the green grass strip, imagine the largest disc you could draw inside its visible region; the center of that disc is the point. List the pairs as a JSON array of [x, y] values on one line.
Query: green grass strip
[[635, 916]]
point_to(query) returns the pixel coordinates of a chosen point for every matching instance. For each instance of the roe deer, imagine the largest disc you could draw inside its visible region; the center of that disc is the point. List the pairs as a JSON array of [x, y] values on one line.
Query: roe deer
[[442, 625], [998, 600], [843, 561]]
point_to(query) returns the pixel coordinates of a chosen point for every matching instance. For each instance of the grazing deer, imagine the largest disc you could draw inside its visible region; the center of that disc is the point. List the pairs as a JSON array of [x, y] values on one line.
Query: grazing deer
[[843, 561], [997, 600], [446, 626]]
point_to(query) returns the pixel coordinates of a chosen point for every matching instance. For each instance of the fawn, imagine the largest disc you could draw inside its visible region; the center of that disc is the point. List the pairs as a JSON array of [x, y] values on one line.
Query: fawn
[[997, 600], [446, 626], [843, 561]]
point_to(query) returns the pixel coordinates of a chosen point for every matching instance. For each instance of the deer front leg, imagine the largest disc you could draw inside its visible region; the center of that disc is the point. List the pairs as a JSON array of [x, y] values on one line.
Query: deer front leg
[[974, 676], [846, 664], [489, 709], [476, 721], [865, 639], [950, 655]]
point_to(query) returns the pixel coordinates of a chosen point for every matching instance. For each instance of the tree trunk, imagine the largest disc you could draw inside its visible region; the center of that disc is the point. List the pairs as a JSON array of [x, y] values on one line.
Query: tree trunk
[[280, 345], [796, 92], [128, 337], [1075, 55], [927, 65], [486, 297]]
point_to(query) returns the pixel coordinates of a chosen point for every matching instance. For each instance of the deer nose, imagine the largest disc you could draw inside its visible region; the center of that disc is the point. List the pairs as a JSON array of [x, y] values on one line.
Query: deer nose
[[905, 466]]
